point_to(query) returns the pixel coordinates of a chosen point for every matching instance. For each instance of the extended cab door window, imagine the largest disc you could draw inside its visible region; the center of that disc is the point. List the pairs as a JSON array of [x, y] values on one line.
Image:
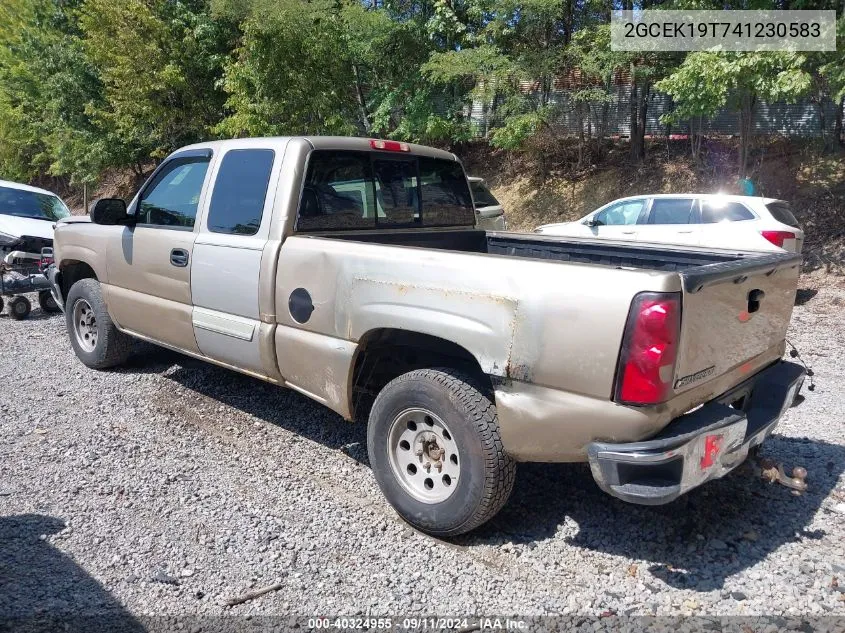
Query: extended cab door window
[[237, 203], [172, 198]]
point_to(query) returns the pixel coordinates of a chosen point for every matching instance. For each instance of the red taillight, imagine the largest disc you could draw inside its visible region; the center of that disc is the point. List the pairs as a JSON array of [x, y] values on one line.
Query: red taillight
[[649, 349], [389, 146], [778, 237]]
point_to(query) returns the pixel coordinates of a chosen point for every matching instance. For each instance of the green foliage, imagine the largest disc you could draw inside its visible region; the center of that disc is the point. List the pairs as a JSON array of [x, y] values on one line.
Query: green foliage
[[708, 81], [289, 75], [159, 63], [87, 85], [831, 66], [517, 130]]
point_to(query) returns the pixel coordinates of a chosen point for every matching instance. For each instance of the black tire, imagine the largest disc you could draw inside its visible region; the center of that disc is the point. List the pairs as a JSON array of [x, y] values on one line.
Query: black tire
[[19, 308], [486, 471], [46, 301], [1, 304], [112, 346]]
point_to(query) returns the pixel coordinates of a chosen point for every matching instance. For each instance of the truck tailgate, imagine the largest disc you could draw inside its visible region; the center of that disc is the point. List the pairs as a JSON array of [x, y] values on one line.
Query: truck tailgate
[[731, 313]]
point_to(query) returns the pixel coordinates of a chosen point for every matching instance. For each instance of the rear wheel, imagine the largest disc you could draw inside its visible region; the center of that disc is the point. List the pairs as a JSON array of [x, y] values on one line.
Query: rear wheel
[[434, 446], [46, 301], [19, 308], [94, 337]]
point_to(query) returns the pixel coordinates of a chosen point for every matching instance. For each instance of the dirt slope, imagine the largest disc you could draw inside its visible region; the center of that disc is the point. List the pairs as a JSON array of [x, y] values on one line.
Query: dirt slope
[[811, 180]]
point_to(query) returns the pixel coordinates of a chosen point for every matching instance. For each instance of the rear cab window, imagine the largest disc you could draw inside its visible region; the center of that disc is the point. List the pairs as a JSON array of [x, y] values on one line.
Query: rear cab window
[[782, 212], [347, 190]]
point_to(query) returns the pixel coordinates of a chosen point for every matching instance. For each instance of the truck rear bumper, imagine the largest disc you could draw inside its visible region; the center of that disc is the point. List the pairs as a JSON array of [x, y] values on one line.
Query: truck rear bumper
[[704, 444]]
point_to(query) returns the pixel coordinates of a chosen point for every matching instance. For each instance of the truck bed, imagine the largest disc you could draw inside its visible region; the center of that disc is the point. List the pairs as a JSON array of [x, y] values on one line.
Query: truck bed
[[697, 266]]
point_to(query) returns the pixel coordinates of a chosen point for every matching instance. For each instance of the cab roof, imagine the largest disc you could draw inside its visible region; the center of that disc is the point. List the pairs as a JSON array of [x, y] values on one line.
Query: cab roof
[[349, 143]]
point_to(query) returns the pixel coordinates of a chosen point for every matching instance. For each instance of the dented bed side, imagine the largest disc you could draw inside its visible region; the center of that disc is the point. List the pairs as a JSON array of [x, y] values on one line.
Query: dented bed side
[[532, 327]]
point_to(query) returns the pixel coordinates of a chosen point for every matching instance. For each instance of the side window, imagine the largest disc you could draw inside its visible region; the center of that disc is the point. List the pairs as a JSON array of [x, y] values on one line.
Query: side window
[[619, 214], [171, 199], [338, 192], [237, 203], [713, 211], [446, 199], [671, 211]]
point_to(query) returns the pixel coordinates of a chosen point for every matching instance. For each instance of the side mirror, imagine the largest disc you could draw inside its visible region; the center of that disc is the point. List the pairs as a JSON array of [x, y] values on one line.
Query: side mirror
[[109, 211]]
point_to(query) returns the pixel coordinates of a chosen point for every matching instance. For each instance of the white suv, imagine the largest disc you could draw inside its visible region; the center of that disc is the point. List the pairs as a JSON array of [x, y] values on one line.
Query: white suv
[[27, 217], [710, 220]]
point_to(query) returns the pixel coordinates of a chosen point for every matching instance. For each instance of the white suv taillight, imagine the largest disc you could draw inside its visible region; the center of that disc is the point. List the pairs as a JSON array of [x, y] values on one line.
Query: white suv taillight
[[778, 237], [649, 349]]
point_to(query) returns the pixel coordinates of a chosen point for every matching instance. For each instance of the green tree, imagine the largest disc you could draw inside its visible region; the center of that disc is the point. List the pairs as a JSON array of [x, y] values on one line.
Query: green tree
[[708, 81], [160, 63], [46, 84], [289, 75]]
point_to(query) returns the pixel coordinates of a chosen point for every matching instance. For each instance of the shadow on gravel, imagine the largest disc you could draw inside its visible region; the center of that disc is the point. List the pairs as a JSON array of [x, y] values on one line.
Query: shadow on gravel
[[147, 358], [803, 295], [37, 314], [694, 543], [42, 589], [281, 407]]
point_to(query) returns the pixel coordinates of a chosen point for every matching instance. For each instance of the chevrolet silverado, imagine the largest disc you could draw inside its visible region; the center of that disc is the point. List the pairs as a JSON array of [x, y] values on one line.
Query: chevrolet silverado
[[352, 271]]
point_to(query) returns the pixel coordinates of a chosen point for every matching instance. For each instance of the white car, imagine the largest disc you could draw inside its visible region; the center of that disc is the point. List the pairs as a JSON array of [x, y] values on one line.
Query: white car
[[27, 217], [710, 220], [489, 212]]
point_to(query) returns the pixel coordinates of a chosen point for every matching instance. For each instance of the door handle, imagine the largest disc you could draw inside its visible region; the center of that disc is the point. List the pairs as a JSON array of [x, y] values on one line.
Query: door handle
[[179, 257], [627, 232], [690, 231]]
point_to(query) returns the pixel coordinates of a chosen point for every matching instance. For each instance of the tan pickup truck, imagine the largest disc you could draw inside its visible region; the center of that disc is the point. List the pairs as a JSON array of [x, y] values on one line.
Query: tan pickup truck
[[351, 270]]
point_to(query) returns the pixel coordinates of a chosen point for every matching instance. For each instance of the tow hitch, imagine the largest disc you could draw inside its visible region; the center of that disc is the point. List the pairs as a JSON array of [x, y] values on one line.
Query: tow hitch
[[769, 470]]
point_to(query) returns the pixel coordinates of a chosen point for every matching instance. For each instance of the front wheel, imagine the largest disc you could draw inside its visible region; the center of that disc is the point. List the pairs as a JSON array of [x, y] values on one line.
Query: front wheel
[[434, 447], [94, 337]]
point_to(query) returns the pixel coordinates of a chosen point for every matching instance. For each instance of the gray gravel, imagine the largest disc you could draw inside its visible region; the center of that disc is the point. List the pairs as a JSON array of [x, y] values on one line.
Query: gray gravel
[[169, 486]]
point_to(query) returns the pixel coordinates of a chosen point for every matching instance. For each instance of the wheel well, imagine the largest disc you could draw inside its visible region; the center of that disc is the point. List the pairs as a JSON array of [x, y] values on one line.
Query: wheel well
[[72, 271], [385, 354]]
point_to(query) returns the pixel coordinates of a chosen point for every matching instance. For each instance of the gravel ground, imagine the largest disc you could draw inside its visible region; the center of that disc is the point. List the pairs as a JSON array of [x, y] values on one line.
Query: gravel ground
[[170, 486]]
